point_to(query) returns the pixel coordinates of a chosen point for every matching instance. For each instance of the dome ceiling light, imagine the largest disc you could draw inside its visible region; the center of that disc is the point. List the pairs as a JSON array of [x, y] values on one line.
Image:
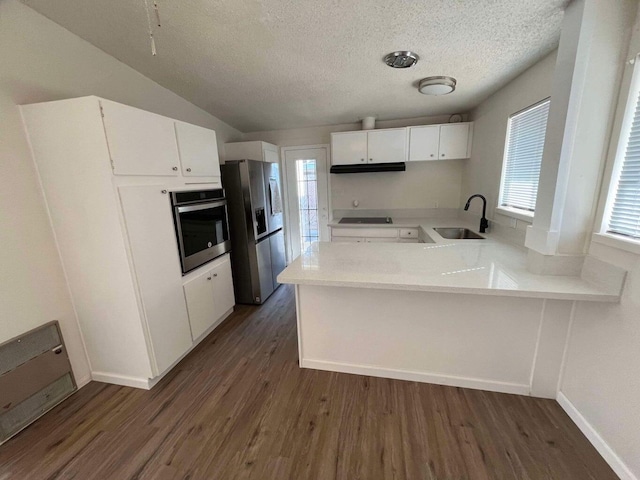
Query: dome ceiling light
[[401, 59], [441, 85]]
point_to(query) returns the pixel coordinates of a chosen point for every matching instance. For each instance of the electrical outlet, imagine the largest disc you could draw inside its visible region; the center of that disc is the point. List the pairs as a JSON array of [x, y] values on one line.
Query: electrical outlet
[[513, 222]]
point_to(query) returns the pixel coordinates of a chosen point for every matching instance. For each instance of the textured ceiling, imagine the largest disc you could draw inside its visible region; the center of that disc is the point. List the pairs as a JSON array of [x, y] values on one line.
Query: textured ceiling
[[273, 64]]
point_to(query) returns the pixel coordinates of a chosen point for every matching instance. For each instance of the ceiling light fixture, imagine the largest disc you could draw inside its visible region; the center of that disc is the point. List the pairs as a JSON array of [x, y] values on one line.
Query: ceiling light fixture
[[401, 59], [441, 85]]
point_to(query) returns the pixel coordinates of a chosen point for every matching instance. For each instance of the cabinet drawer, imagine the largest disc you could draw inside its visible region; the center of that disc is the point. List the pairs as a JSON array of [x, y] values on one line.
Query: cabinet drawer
[[381, 240], [408, 240], [409, 233], [347, 239], [365, 232]]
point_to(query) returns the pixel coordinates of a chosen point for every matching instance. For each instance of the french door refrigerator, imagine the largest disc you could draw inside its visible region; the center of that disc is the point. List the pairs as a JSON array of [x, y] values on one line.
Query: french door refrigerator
[[254, 201]]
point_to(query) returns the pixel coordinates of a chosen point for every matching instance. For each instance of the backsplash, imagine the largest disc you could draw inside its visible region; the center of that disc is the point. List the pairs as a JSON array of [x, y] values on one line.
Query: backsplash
[[423, 185]]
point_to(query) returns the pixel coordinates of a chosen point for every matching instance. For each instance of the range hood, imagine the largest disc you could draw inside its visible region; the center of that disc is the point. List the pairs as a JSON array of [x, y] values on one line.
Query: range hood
[[369, 168]]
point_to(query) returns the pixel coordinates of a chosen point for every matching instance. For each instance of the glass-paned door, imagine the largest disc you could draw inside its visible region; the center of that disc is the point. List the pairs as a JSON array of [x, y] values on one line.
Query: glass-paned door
[[307, 190], [306, 185]]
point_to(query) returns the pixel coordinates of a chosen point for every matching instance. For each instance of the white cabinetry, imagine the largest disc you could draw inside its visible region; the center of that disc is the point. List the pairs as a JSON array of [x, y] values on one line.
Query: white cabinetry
[[106, 183], [440, 142], [374, 235], [387, 146], [209, 296], [348, 148], [454, 141], [372, 146], [140, 143], [198, 149], [152, 239], [255, 150]]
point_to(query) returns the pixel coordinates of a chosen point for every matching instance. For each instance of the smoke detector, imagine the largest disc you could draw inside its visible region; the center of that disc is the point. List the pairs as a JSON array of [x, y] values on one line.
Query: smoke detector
[[401, 59]]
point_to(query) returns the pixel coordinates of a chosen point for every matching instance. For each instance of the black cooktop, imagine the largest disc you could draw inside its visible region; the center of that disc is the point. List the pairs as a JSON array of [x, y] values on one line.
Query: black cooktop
[[366, 220]]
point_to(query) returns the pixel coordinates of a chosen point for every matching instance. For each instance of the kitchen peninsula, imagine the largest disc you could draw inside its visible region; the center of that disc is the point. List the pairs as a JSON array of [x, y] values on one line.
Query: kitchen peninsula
[[455, 312]]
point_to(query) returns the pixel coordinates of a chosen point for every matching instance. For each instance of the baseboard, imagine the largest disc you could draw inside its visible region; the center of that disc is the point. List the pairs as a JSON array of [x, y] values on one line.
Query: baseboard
[[81, 382], [148, 383], [438, 379], [123, 380], [614, 461]]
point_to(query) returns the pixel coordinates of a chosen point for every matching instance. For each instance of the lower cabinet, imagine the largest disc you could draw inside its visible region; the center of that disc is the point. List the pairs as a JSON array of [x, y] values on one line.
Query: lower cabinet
[[374, 235], [209, 296]]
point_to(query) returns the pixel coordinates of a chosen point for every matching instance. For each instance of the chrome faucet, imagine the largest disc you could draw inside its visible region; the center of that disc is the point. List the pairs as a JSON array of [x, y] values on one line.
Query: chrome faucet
[[484, 223]]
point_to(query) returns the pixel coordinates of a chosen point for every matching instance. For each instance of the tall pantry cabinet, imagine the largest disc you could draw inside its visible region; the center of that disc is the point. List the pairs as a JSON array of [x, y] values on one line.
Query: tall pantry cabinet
[[106, 170]]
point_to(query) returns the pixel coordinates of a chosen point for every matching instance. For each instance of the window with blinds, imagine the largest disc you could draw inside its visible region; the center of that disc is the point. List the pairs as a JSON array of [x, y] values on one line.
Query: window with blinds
[[624, 216], [523, 158]]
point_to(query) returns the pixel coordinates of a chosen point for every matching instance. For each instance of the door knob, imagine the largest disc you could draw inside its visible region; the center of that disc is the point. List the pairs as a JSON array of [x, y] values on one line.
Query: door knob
[[215, 274], [175, 169], [188, 169], [208, 278]]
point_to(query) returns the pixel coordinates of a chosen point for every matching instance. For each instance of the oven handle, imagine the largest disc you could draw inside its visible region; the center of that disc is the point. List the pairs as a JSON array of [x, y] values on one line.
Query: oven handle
[[201, 206]]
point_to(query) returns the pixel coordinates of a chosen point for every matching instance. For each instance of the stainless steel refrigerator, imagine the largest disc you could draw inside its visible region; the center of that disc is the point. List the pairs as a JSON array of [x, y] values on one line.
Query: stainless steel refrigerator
[[255, 205]]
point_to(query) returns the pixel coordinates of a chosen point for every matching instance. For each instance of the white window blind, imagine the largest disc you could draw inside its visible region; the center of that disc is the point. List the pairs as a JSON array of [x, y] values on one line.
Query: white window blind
[[625, 213], [523, 157]]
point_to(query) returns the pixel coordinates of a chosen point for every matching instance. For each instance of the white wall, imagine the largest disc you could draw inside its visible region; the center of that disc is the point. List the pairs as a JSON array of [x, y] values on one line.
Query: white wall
[[482, 172], [424, 185], [41, 61], [602, 362]]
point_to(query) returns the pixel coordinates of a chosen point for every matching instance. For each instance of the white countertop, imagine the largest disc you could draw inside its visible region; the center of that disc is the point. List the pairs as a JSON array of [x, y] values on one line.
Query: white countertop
[[486, 267]]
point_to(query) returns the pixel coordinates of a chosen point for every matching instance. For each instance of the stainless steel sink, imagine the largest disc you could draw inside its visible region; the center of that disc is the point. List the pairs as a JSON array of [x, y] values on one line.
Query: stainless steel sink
[[455, 233]]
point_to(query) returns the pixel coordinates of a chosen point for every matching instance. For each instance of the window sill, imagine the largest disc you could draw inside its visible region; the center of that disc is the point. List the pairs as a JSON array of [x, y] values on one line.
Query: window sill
[[617, 241], [514, 213]]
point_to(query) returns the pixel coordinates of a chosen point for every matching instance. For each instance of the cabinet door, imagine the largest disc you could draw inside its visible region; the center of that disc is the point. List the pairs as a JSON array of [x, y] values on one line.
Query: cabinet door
[[140, 143], [348, 148], [201, 304], [454, 139], [154, 250], [423, 143], [222, 288], [387, 146], [198, 149]]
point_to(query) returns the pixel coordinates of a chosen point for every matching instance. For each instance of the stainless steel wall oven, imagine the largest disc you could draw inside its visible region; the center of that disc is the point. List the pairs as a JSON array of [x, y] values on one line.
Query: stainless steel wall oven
[[202, 226]]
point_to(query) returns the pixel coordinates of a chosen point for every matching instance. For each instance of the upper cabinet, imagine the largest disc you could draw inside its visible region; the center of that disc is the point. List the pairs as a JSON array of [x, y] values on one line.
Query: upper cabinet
[[390, 145], [143, 143], [198, 149], [348, 148], [440, 142], [140, 143], [255, 150], [454, 141], [387, 146], [424, 142], [369, 146]]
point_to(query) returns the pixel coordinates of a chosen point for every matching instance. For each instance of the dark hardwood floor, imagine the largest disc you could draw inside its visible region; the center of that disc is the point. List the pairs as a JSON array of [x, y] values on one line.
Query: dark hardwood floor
[[238, 407]]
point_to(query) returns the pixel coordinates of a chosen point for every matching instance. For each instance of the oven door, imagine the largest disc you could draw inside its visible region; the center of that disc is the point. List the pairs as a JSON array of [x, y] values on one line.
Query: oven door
[[203, 233]]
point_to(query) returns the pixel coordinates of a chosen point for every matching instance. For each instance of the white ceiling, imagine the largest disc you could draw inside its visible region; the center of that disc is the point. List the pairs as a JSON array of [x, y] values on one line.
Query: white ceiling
[[274, 64]]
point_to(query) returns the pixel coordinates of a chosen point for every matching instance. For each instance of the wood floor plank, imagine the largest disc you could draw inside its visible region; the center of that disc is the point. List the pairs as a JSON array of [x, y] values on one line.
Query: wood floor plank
[[239, 408]]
